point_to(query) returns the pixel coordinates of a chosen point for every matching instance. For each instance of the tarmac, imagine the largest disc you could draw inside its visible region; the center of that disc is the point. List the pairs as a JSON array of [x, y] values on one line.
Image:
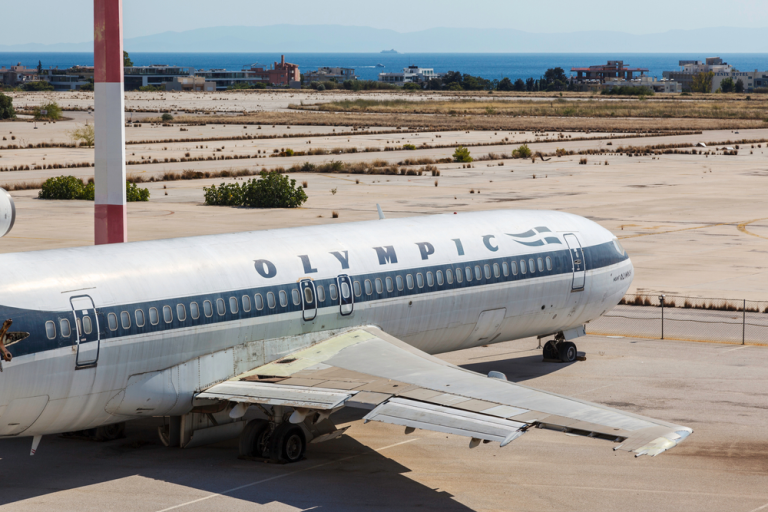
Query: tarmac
[[718, 390]]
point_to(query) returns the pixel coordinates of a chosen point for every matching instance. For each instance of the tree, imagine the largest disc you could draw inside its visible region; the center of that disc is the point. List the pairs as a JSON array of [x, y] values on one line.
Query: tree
[[39, 67], [519, 85], [127, 62], [88, 86], [411, 86], [530, 84], [727, 85], [86, 135], [37, 85], [52, 111], [554, 79], [461, 155], [6, 107], [739, 86], [166, 117], [702, 82], [434, 84], [505, 84]]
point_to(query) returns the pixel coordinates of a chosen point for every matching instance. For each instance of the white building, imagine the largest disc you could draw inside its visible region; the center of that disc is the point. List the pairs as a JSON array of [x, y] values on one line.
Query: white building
[[411, 74], [663, 85], [751, 79]]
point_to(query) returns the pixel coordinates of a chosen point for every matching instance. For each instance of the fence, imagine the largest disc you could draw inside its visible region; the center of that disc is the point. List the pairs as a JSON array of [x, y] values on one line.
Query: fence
[[675, 317]]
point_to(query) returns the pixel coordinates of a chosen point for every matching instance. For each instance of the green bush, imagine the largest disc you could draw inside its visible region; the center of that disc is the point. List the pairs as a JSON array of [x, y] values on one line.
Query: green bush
[[411, 86], [6, 107], [69, 187], [461, 155], [41, 85], [152, 88], [271, 190], [628, 90], [167, 117], [522, 152], [52, 111], [409, 146]]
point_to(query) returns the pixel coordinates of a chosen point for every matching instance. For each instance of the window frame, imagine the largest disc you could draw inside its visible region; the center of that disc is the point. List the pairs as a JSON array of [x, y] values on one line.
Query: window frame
[[271, 299], [194, 310], [320, 293], [136, 316], [47, 332], [180, 308], [295, 296], [548, 260], [439, 277], [90, 323], [167, 309], [157, 316], [468, 273], [368, 287], [513, 267], [400, 283], [409, 281], [333, 291], [358, 290], [282, 296], [505, 268], [111, 317], [246, 300], [487, 271], [449, 276], [221, 306], [540, 264], [523, 267], [459, 275], [390, 284], [532, 265], [496, 271], [419, 280], [478, 273], [207, 308], [62, 323], [258, 298]]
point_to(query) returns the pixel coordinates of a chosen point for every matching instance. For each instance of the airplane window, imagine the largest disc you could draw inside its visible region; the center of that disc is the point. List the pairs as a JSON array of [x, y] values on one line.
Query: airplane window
[[283, 298], [271, 300], [66, 330], [139, 320], [531, 265], [167, 314], [379, 286], [233, 307], [358, 291], [430, 279], [420, 280], [540, 262], [320, 294], [487, 270], [513, 264], [221, 308], [88, 325], [505, 268], [368, 287], [259, 301], [153, 318], [295, 296], [246, 303], [207, 308], [333, 291], [449, 276], [50, 330], [549, 263], [399, 280], [439, 276], [618, 247], [478, 273], [523, 270], [181, 312], [496, 271], [112, 320], [308, 298], [409, 281], [468, 272], [459, 275], [390, 285], [345, 292], [194, 310], [125, 319]]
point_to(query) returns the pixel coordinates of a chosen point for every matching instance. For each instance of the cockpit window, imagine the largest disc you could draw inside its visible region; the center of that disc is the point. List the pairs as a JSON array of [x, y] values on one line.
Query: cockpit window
[[618, 247]]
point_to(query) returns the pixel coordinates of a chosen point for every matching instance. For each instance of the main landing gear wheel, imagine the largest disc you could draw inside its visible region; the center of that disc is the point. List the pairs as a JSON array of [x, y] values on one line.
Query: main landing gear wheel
[[109, 432], [550, 350], [567, 352], [287, 444], [254, 439]]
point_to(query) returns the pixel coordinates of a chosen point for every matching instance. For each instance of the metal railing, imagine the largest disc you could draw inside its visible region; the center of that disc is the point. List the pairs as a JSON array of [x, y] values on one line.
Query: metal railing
[[676, 317]]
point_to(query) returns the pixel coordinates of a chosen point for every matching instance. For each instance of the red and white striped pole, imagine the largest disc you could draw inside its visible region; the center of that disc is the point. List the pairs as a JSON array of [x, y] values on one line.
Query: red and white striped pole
[[111, 224]]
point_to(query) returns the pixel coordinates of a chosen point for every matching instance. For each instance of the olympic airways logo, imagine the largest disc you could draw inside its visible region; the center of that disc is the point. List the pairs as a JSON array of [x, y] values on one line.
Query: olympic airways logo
[[535, 237]]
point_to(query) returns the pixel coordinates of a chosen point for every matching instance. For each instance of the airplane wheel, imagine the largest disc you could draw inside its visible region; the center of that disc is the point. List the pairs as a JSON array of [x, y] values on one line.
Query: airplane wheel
[[110, 432], [287, 444], [550, 350], [253, 439], [567, 352]]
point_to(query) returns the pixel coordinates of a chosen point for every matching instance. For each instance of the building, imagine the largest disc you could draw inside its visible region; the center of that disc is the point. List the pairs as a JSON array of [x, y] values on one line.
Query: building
[[600, 73], [17, 75], [190, 83], [660, 86], [751, 79], [327, 74], [156, 75], [690, 68], [411, 74], [282, 73], [68, 79]]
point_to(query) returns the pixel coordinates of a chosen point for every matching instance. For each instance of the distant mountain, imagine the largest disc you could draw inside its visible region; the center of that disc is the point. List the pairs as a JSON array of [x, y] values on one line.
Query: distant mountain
[[348, 39]]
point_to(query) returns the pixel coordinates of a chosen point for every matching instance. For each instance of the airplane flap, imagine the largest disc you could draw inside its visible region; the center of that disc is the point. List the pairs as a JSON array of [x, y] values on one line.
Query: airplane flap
[[271, 394]]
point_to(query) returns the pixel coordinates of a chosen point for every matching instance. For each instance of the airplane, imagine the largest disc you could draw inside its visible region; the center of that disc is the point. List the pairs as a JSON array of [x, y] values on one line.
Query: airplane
[[264, 335]]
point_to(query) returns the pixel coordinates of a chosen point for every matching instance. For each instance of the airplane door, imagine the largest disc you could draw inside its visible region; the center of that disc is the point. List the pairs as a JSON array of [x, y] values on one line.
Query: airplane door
[[346, 298], [578, 262], [308, 299], [87, 331]]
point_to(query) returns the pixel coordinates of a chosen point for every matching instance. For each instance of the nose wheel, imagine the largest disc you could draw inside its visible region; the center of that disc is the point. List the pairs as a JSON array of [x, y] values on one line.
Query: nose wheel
[[564, 351]]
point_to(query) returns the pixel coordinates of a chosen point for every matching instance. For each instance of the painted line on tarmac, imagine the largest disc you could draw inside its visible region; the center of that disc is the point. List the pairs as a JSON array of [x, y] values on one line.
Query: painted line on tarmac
[[760, 508], [732, 349], [743, 228], [229, 491]]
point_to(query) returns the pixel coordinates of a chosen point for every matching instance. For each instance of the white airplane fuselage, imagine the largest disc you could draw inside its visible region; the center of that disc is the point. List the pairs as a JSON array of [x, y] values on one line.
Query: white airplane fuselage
[[153, 323]]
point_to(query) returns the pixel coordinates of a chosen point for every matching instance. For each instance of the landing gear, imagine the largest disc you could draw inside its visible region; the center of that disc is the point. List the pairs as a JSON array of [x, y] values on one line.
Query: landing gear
[[111, 432], [284, 443], [564, 351]]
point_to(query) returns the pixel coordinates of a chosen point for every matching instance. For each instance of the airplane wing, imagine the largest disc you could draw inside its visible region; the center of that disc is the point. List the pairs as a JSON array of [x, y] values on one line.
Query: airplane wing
[[366, 368]]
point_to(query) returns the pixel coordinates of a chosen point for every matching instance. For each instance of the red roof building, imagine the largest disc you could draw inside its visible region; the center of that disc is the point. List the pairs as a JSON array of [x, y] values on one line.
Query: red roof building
[[283, 73], [614, 69]]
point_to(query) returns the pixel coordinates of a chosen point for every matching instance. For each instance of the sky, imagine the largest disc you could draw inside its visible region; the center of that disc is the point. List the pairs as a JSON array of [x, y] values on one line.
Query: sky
[[71, 21]]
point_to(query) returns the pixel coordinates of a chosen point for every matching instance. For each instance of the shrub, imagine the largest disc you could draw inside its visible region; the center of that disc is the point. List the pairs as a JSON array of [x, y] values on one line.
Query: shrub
[[134, 193], [522, 152], [628, 90], [410, 86], [271, 190], [52, 111], [69, 187], [461, 155], [167, 117], [86, 135], [409, 146], [6, 107], [37, 86]]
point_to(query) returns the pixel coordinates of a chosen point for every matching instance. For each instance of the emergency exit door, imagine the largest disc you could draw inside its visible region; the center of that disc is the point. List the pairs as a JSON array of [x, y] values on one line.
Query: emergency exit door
[[577, 259], [87, 331], [346, 297], [308, 299]]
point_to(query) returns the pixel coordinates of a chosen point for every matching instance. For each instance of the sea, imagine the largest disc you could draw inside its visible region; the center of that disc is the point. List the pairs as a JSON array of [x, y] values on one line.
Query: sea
[[368, 65]]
